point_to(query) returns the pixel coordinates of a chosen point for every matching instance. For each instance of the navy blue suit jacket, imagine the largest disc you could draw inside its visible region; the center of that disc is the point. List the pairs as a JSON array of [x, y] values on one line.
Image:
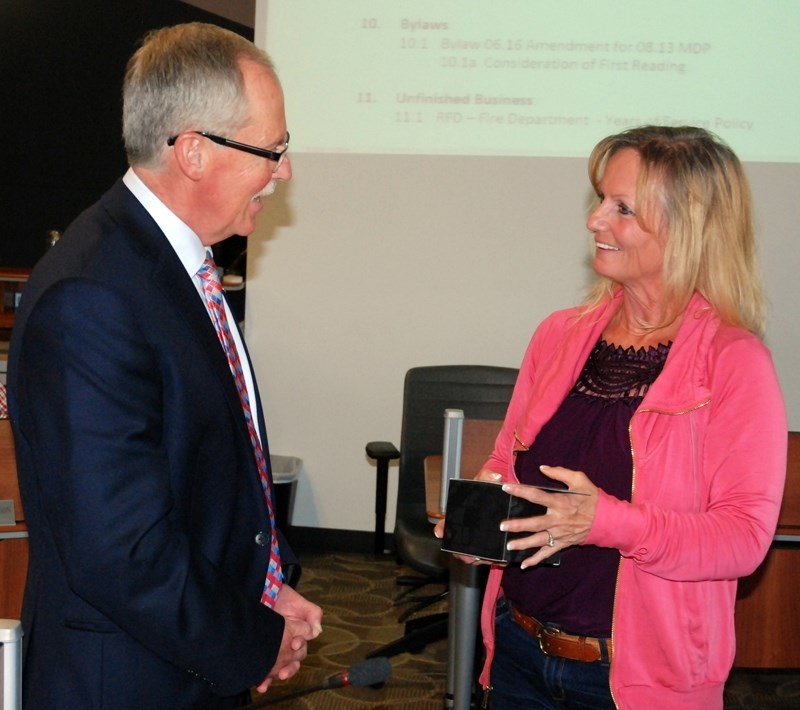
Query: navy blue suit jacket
[[148, 526]]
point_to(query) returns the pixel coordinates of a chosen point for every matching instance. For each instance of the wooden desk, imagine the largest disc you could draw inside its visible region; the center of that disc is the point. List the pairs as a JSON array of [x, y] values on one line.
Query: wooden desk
[[433, 487], [477, 444], [13, 538], [767, 622]]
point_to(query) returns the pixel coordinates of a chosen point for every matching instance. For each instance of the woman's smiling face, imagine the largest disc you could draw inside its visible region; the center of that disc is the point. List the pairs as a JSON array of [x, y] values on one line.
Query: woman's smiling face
[[624, 252]]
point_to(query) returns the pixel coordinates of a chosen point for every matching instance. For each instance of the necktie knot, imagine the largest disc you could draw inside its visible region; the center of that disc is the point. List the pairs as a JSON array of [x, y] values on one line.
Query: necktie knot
[[212, 288], [209, 274]]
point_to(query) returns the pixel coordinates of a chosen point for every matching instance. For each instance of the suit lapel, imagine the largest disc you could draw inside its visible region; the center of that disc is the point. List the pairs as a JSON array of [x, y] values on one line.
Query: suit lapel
[[169, 276]]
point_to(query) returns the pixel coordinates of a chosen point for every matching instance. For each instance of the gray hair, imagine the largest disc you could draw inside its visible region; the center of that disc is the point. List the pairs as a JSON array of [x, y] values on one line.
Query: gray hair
[[183, 78]]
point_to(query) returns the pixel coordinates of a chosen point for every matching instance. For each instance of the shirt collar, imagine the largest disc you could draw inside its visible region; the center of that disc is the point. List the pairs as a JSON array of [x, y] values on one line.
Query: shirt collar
[[182, 238]]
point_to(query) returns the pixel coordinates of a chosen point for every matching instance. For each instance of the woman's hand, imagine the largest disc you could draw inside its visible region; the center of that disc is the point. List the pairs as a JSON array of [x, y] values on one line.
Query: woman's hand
[[567, 521], [483, 475]]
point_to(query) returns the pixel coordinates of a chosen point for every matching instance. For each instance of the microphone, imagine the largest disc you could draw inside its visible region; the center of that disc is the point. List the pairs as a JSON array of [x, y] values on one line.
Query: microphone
[[361, 674], [370, 672]]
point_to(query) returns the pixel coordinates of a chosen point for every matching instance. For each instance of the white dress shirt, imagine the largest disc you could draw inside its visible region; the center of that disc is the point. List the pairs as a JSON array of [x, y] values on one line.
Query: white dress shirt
[[192, 253]]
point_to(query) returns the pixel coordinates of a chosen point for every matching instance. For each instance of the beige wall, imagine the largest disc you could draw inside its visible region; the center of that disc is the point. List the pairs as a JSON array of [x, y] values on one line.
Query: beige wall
[[363, 267]]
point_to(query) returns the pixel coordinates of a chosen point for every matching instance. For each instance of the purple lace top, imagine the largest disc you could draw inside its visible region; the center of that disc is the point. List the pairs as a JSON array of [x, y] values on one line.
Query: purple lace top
[[588, 433]]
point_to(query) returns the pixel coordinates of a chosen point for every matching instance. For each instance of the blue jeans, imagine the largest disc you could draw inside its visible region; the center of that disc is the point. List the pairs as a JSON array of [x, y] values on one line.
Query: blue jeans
[[524, 678]]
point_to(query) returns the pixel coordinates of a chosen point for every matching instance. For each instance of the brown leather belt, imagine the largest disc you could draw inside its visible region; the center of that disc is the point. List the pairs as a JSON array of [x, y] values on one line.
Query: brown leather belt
[[556, 643]]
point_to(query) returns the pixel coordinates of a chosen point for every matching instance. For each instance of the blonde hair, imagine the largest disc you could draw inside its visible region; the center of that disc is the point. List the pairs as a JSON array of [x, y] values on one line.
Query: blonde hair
[[692, 188], [185, 77]]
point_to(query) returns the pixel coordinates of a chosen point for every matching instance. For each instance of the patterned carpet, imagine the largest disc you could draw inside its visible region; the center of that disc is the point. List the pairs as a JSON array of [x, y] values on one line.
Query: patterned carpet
[[356, 592]]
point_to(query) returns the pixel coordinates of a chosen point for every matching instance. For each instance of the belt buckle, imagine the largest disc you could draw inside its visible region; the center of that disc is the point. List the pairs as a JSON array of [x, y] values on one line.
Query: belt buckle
[[549, 632]]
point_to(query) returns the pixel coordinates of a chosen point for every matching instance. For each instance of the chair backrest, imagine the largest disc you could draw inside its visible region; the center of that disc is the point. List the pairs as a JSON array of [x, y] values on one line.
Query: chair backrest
[[481, 391]]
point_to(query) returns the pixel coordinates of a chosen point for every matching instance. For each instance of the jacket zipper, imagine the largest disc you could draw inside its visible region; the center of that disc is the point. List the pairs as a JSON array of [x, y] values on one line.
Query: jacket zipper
[[700, 405]]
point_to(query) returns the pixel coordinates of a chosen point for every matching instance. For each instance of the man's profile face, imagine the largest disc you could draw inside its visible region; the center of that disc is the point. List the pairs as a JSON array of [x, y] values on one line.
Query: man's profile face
[[238, 182]]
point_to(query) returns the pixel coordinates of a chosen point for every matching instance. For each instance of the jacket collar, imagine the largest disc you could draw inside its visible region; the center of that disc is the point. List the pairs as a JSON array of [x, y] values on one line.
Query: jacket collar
[[681, 384]]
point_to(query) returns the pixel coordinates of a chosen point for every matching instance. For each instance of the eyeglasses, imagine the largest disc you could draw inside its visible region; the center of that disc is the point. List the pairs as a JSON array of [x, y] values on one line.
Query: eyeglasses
[[276, 156]]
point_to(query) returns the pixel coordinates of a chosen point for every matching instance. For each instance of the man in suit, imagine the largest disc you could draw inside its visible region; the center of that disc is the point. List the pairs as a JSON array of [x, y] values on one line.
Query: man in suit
[[150, 525]]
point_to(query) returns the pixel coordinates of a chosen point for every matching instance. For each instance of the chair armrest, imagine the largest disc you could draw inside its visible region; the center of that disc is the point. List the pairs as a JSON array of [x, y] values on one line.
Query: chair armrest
[[382, 451]]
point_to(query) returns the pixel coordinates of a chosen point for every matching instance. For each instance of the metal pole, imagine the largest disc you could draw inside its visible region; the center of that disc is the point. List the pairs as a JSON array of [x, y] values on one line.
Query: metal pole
[[451, 468]]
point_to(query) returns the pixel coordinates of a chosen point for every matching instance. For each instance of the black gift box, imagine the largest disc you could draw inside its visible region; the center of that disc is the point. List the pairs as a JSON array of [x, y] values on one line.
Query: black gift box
[[472, 526]]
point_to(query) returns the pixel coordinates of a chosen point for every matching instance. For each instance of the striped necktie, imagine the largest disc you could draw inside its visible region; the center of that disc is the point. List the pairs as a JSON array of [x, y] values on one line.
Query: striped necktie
[[212, 289]]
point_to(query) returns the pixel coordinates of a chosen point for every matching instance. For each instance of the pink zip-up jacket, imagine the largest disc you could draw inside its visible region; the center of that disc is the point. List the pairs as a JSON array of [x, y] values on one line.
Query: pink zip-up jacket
[[709, 447]]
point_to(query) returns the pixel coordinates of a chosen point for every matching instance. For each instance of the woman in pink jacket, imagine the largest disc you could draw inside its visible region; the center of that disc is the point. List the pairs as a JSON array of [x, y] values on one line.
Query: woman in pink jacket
[[658, 402]]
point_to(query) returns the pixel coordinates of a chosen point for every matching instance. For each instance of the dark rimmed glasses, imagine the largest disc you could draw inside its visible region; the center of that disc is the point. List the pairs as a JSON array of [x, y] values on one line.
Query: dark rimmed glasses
[[276, 156]]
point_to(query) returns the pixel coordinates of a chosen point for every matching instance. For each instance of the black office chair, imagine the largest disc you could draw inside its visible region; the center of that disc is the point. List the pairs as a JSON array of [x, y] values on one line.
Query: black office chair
[[482, 392]]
